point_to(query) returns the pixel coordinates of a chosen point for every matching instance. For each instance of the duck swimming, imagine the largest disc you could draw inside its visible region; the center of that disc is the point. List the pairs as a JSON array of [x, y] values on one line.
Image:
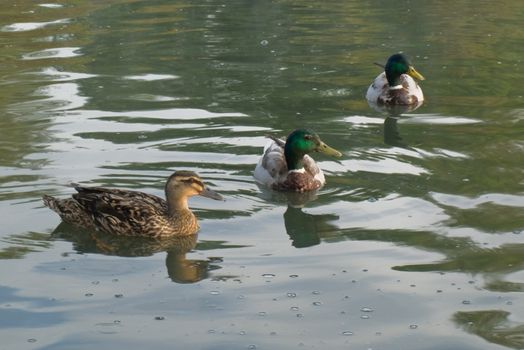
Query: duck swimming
[[286, 165], [396, 86], [133, 213]]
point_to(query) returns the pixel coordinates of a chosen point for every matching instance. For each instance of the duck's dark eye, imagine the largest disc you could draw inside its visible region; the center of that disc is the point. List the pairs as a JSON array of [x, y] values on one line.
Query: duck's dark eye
[[308, 137], [195, 181]]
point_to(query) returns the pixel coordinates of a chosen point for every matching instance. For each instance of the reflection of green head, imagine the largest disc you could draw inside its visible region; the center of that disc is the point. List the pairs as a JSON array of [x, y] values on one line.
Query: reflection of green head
[[397, 65], [301, 142]]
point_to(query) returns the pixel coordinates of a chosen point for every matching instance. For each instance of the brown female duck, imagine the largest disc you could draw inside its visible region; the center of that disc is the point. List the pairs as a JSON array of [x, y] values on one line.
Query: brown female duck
[[133, 213]]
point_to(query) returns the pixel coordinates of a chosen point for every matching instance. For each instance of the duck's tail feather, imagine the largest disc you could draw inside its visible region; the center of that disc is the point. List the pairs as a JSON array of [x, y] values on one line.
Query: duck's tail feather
[[278, 141], [50, 202]]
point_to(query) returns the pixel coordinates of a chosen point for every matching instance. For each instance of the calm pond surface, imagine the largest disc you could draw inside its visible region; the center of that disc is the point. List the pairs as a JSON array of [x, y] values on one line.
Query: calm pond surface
[[416, 242]]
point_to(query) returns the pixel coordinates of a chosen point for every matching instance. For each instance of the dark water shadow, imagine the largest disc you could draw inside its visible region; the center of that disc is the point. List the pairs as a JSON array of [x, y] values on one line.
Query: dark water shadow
[[493, 326], [306, 229], [393, 113], [295, 199], [180, 269]]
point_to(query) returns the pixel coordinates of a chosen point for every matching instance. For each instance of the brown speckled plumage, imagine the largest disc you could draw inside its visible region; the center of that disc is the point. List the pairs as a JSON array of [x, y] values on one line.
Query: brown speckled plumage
[[132, 213], [300, 181]]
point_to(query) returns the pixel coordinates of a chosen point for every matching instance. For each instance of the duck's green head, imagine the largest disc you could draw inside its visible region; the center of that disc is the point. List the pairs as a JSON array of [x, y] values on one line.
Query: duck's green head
[[301, 142], [397, 65]]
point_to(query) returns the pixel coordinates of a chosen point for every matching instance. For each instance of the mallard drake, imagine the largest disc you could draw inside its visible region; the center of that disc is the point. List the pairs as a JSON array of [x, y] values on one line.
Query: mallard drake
[[133, 213], [396, 86], [286, 166]]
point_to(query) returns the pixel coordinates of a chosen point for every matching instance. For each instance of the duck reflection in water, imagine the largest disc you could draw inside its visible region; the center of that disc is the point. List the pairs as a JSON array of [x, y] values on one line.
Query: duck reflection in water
[[179, 268], [306, 229], [394, 113]]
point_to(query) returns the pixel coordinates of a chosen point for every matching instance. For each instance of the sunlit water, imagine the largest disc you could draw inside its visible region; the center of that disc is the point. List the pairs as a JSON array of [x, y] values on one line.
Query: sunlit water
[[416, 242]]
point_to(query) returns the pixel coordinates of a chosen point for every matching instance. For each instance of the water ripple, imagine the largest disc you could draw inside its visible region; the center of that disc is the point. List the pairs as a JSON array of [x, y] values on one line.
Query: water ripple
[[151, 77], [58, 52], [464, 202], [25, 27]]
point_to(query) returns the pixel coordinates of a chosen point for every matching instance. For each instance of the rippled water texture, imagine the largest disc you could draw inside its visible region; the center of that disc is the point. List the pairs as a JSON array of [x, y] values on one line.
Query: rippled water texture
[[416, 241]]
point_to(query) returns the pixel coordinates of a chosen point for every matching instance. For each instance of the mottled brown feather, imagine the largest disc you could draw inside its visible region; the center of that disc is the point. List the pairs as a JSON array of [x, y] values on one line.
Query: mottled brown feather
[[131, 213]]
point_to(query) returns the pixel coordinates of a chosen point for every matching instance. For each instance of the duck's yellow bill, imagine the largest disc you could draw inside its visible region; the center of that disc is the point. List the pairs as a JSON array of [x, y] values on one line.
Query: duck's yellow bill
[[323, 148], [413, 72]]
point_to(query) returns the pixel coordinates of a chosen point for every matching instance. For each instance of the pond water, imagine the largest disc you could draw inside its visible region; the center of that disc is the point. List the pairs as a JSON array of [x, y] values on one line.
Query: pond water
[[416, 241]]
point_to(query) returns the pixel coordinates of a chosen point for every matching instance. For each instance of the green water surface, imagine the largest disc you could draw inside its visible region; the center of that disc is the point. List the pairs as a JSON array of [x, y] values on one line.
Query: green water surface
[[416, 241]]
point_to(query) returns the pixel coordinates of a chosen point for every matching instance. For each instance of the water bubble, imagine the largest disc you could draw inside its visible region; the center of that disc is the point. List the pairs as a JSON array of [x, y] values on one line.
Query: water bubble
[[293, 276], [160, 318], [262, 313], [316, 292], [317, 303], [31, 340], [241, 297], [347, 333], [300, 315], [242, 333], [89, 294], [252, 346], [372, 199], [214, 292], [366, 309], [119, 295], [211, 331], [117, 321], [268, 275], [294, 308], [291, 295], [114, 280], [364, 317], [413, 326], [466, 302], [95, 282], [439, 290], [264, 42]]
